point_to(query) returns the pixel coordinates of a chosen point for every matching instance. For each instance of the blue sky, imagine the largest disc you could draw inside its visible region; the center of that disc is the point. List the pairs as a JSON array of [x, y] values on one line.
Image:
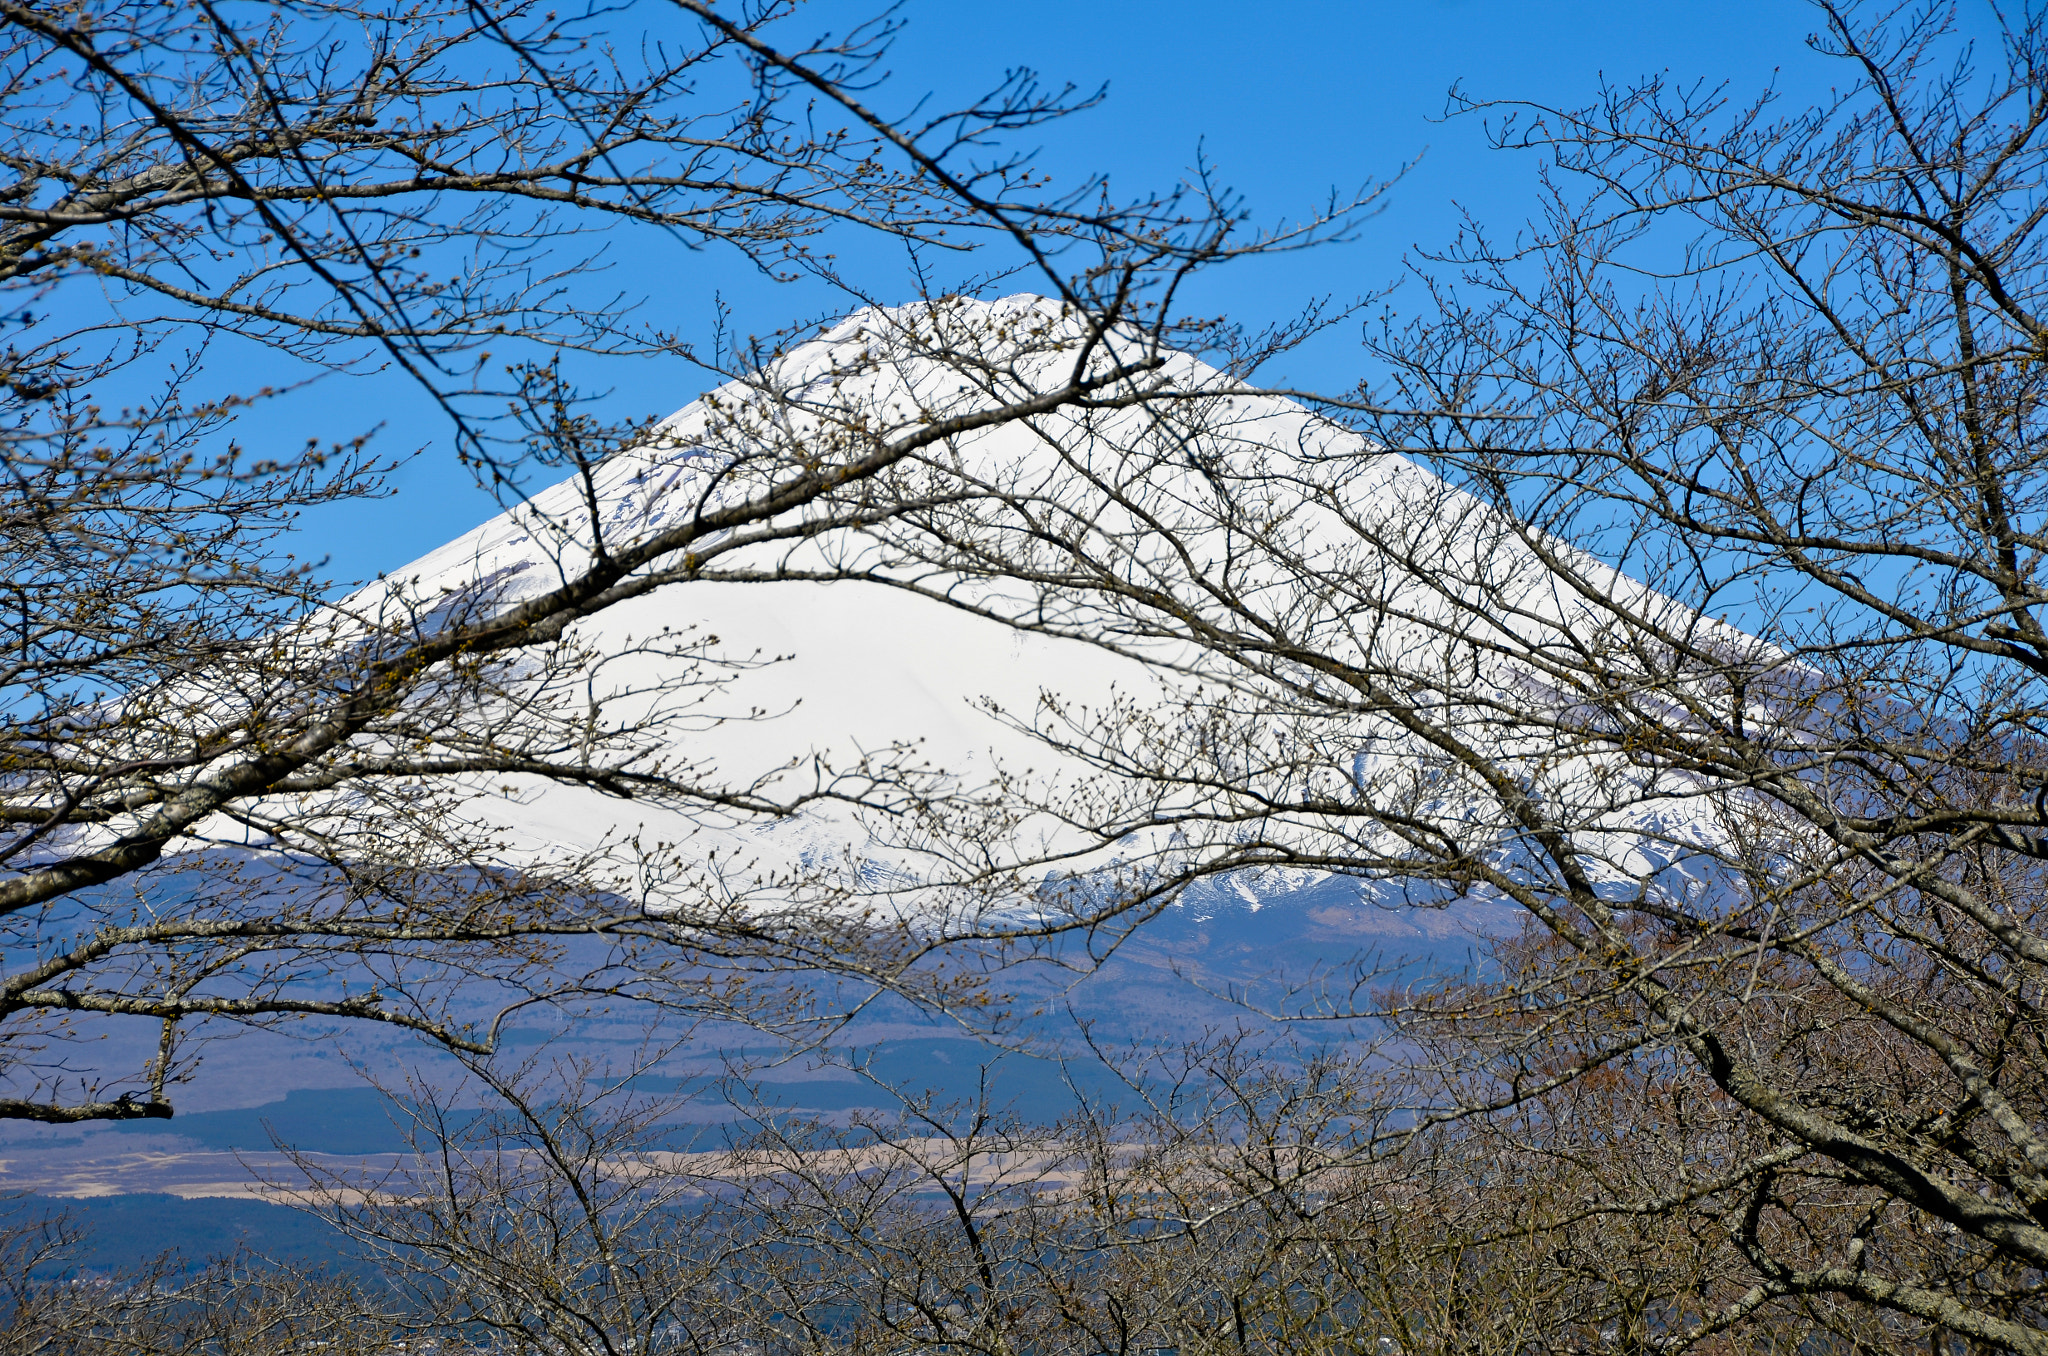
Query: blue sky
[[1289, 101]]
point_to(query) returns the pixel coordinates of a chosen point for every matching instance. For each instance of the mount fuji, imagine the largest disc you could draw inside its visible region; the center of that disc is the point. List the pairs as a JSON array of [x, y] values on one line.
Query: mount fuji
[[836, 670]]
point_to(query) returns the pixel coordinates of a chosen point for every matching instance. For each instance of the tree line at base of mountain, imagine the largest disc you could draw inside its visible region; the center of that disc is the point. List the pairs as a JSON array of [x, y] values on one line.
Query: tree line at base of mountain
[[1249, 1194]]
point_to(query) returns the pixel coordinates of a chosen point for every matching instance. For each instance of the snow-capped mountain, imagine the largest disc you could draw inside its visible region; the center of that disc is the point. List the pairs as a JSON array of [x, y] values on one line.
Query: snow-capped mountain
[[829, 675]]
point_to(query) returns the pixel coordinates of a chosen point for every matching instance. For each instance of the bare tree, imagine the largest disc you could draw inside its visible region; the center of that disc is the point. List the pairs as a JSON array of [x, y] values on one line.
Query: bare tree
[[232, 794], [57, 1302], [1682, 591], [1241, 1196], [1237, 1194], [1200, 1216]]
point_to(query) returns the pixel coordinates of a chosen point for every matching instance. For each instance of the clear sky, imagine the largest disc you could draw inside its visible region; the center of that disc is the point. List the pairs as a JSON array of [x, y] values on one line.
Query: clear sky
[[1290, 98]]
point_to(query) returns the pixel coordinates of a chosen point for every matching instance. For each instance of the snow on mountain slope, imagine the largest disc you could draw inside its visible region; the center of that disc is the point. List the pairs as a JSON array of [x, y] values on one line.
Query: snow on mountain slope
[[857, 667]]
